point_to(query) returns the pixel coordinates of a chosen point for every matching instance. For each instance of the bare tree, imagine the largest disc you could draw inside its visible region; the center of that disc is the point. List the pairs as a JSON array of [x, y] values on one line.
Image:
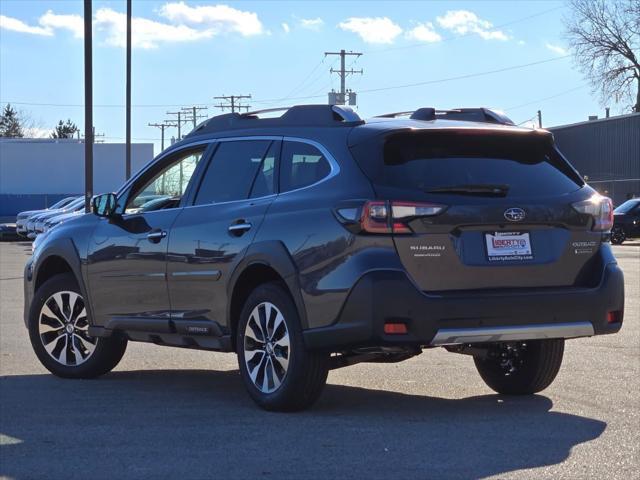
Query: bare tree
[[605, 38]]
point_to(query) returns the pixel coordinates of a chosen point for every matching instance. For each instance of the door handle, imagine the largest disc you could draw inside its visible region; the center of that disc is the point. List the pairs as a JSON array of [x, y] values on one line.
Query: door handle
[[239, 228], [156, 236]]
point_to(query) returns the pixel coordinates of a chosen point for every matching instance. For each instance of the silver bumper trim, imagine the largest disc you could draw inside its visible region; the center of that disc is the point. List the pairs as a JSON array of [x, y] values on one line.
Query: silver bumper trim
[[455, 336]]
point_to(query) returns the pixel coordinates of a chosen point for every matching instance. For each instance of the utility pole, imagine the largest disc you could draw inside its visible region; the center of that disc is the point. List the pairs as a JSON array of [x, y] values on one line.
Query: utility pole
[[193, 113], [539, 118], [88, 106], [233, 102], [127, 162], [340, 98], [179, 122], [162, 127], [96, 135]]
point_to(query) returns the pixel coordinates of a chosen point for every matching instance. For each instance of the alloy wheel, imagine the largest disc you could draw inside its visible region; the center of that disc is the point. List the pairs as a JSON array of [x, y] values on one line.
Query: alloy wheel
[[64, 329], [267, 349], [511, 357]]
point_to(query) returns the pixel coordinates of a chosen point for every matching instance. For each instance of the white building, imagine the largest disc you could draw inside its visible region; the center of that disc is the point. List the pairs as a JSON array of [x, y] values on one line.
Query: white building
[[35, 173]]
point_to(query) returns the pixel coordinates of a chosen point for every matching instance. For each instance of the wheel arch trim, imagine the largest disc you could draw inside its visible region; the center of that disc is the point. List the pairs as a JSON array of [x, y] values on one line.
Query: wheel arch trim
[[274, 255], [66, 250]]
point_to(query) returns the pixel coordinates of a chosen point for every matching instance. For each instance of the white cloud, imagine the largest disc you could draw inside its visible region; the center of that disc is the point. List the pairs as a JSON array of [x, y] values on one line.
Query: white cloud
[[372, 29], [218, 18], [312, 23], [424, 32], [185, 24], [145, 33], [73, 23], [36, 132], [555, 49], [286, 27], [464, 22], [13, 24]]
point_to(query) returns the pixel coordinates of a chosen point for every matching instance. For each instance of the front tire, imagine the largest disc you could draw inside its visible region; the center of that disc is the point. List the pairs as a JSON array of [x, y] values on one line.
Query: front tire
[[58, 329], [521, 368], [279, 373]]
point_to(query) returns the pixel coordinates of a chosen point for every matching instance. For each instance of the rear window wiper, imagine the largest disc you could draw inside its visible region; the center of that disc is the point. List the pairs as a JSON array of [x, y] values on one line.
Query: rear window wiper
[[473, 189]]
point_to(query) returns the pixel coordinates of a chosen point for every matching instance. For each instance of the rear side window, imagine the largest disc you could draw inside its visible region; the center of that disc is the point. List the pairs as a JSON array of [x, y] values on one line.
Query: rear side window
[[231, 172], [301, 165], [265, 180], [527, 165]]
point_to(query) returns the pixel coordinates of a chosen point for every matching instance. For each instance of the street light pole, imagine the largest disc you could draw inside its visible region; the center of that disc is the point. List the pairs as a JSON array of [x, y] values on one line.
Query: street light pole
[[88, 107], [128, 95]]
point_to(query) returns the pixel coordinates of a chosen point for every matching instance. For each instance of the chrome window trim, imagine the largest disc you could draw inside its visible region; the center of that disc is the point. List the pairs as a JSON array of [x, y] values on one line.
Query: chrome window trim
[[161, 156], [333, 165]]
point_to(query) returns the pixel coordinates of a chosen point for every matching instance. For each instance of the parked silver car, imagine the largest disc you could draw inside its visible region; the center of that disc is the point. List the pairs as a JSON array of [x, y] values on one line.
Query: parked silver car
[[35, 223], [23, 217]]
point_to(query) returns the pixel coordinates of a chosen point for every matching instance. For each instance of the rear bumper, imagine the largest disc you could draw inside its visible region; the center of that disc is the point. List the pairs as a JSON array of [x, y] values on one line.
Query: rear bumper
[[380, 297]]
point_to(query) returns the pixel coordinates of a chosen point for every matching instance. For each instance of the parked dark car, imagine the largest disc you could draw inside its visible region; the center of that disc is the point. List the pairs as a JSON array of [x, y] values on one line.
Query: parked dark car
[[317, 240], [626, 221]]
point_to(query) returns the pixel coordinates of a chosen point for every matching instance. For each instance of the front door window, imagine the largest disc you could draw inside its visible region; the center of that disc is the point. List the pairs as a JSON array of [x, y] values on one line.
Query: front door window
[[165, 189]]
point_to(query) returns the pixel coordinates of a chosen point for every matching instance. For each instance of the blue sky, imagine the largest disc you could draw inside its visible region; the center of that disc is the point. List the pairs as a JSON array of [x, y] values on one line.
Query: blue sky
[[188, 52]]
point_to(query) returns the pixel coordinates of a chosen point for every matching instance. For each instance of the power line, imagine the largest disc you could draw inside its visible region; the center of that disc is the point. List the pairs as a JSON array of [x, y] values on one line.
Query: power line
[[371, 90], [462, 77], [299, 86], [533, 102]]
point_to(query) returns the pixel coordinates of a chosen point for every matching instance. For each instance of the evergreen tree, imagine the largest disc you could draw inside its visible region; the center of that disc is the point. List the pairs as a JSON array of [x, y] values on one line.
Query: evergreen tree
[[10, 125], [64, 129]]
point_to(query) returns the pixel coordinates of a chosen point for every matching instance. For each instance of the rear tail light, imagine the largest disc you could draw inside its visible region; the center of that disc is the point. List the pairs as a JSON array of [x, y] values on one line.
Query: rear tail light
[[392, 328], [614, 317], [393, 217], [600, 208]]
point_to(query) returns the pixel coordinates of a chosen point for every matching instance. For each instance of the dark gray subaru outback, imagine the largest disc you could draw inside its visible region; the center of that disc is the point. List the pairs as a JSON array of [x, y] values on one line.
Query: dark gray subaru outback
[[316, 240]]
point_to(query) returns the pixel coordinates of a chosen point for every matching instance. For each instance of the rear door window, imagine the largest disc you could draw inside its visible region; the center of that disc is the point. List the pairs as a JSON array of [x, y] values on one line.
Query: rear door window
[[431, 161], [265, 180], [232, 170], [302, 165]]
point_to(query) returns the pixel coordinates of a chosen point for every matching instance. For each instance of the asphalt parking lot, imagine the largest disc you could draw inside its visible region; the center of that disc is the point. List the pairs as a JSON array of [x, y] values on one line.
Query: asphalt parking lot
[[167, 412]]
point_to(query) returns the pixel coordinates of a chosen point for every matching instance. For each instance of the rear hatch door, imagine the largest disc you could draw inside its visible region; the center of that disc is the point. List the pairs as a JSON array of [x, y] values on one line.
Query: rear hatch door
[[508, 220]]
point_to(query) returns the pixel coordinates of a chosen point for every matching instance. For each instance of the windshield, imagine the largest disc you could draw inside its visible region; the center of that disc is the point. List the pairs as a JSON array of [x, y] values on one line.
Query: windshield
[[468, 164], [78, 202], [627, 206], [61, 203]]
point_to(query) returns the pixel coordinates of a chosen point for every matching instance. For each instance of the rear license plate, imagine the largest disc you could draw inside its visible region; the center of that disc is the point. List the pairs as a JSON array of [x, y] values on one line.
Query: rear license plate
[[508, 246]]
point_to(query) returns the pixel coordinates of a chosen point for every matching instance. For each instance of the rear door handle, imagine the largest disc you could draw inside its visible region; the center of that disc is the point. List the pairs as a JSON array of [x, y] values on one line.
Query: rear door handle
[[156, 236], [239, 228]]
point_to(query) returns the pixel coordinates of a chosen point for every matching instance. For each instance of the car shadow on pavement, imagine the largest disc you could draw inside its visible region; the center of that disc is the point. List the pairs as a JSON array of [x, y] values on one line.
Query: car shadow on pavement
[[202, 424]]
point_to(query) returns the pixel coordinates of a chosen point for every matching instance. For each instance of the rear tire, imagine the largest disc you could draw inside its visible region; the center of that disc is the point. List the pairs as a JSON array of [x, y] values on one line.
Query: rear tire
[[618, 236], [58, 329], [521, 368], [279, 373]]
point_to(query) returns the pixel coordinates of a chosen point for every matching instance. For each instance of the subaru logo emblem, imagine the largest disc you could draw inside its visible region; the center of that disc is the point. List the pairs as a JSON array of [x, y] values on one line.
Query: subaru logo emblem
[[514, 214]]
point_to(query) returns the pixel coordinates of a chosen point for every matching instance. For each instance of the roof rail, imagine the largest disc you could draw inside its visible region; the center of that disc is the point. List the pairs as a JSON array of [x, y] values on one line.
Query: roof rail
[[297, 115], [485, 115]]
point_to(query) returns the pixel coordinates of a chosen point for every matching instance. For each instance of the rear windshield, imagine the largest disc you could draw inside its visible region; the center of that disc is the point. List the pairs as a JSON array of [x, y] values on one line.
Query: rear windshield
[[526, 165]]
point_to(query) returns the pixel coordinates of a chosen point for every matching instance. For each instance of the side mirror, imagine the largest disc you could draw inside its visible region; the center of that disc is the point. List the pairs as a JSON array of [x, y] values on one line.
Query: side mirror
[[104, 205]]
